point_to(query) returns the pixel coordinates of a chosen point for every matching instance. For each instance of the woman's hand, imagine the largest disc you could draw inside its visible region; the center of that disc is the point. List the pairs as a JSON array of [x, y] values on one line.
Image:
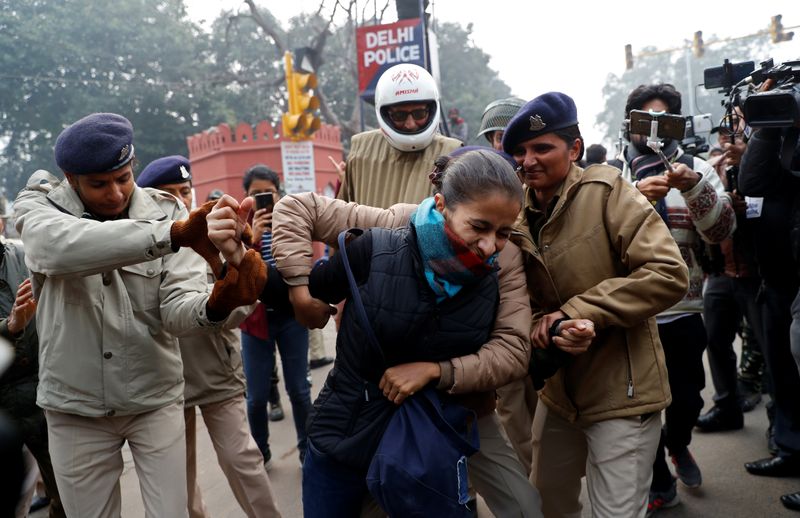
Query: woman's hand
[[308, 311], [262, 220], [540, 335], [575, 336], [401, 381], [226, 222], [23, 309]]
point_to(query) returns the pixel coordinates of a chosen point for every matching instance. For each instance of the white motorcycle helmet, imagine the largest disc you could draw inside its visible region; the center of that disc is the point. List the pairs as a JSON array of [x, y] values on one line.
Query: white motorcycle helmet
[[407, 83]]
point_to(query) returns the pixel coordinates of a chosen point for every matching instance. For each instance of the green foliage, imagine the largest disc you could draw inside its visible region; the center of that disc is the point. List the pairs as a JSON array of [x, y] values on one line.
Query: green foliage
[[468, 83], [63, 59]]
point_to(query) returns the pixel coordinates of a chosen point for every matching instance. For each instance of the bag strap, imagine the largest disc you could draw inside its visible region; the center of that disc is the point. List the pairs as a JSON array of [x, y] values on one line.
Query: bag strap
[[355, 294]]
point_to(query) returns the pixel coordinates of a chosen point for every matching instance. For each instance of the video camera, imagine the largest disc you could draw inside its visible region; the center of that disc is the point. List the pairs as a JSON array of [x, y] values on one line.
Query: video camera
[[780, 106], [776, 108]]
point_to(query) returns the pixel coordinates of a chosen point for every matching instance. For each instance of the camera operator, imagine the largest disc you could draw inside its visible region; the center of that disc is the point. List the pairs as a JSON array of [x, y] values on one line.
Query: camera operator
[[692, 202], [777, 245], [731, 289]]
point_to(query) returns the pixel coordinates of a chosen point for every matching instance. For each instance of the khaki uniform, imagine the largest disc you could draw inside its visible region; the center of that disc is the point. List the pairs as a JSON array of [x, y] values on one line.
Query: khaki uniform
[[380, 175], [112, 297], [604, 254], [212, 367]]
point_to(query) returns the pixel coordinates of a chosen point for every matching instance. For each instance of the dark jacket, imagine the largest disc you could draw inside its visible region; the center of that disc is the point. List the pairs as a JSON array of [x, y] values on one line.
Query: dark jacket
[[350, 415], [777, 230]]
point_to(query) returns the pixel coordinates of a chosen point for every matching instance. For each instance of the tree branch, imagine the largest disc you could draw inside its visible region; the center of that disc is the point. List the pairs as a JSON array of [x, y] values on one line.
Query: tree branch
[[267, 27]]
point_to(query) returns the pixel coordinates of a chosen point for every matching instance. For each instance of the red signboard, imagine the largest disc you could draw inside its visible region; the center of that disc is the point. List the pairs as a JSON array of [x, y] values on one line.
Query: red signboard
[[382, 46]]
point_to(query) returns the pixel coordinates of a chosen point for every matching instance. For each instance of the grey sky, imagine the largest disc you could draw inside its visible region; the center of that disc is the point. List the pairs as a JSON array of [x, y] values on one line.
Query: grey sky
[[572, 46]]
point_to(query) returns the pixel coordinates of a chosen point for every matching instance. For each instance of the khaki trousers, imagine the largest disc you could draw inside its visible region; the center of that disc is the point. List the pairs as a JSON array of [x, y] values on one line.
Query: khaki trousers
[[237, 454], [516, 406], [499, 477], [615, 455], [87, 461]]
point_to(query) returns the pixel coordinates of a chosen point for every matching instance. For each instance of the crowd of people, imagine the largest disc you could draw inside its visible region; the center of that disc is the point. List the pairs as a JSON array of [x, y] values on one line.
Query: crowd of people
[[556, 300]]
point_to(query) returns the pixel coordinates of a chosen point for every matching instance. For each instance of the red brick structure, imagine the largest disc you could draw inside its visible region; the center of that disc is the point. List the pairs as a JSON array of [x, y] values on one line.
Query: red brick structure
[[220, 156]]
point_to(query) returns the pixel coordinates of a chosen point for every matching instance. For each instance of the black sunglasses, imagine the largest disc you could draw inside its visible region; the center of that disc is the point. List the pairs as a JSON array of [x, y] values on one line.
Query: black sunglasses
[[401, 115]]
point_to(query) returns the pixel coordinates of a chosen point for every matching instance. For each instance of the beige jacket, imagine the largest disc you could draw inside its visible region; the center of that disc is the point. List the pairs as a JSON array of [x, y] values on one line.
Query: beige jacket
[[112, 295], [298, 219], [380, 176], [606, 255]]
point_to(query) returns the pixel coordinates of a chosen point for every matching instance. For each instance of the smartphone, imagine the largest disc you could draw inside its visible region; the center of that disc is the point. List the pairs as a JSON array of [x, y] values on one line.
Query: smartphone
[[669, 126], [727, 75], [265, 200]]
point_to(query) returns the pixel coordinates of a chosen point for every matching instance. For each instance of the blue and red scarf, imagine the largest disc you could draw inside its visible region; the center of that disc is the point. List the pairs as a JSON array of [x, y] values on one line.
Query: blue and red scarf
[[448, 262]]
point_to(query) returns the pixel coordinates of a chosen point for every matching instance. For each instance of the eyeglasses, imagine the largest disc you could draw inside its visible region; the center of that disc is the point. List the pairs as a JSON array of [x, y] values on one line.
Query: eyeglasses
[[419, 114]]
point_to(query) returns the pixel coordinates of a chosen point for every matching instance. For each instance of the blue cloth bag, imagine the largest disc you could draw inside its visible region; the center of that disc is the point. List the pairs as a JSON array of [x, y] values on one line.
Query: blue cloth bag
[[420, 466]]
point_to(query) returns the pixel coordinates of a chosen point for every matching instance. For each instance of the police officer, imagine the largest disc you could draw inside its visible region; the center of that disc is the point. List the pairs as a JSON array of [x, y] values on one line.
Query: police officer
[[212, 368], [593, 249], [495, 118], [113, 288]]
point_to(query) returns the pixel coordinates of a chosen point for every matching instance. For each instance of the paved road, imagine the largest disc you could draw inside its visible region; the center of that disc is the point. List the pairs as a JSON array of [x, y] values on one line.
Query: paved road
[[727, 491]]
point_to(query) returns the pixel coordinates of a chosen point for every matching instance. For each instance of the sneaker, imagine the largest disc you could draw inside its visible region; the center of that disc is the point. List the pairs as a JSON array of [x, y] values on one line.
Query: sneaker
[[686, 468], [267, 460], [276, 412], [39, 502], [663, 499]]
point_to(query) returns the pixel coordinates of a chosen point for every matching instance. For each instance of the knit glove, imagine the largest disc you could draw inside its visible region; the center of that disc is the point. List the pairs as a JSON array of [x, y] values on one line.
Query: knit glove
[[240, 287], [193, 232]]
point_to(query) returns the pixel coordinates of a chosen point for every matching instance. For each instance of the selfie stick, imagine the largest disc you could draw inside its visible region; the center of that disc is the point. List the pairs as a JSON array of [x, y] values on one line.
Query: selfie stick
[[656, 145]]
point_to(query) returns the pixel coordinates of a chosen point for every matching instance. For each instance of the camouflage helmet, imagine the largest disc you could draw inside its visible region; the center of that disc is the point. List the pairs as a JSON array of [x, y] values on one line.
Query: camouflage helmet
[[497, 114]]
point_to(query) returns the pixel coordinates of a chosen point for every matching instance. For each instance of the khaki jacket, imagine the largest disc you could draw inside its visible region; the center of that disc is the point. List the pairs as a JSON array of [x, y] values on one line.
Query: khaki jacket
[[380, 175], [605, 255], [112, 296], [300, 218]]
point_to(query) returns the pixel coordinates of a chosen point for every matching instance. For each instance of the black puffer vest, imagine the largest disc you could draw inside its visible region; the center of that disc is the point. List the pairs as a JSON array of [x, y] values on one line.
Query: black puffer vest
[[351, 413]]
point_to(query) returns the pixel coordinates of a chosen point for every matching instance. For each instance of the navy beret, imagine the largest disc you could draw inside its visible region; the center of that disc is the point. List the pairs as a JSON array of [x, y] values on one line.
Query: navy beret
[[166, 170], [545, 114], [98, 143], [464, 149]]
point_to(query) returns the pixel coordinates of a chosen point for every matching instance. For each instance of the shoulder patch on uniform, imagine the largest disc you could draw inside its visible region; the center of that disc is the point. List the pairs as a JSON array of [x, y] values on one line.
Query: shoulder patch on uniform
[[601, 173]]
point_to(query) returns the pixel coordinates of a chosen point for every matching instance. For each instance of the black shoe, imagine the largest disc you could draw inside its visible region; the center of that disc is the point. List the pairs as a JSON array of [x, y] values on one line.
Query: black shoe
[[775, 467], [39, 502], [316, 363], [791, 501], [749, 400], [718, 420]]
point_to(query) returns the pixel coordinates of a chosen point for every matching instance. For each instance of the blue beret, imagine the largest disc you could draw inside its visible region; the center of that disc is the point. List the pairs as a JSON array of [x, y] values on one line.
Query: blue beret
[[169, 169], [545, 114], [98, 143], [464, 149]]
